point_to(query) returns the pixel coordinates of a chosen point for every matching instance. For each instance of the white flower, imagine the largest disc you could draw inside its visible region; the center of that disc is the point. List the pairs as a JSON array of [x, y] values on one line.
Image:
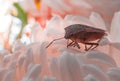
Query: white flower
[[9, 25], [35, 62]]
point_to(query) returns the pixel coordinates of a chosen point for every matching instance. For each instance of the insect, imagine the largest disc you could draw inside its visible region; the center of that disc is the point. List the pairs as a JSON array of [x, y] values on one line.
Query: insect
[[79, 33]]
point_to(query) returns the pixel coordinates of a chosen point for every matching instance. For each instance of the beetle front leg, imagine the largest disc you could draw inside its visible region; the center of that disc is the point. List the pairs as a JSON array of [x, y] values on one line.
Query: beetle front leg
[[69, 44]]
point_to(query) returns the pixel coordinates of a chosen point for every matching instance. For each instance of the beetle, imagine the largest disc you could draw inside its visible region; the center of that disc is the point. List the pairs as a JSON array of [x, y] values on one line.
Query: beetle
[[79, 33]]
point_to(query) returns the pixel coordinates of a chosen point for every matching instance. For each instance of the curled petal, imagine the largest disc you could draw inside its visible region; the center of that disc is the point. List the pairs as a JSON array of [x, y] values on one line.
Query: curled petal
[[49, 79], [2, 73], [9, 76], [6, 59], [70, 68], [33, 74], [57, 6], [54, 66], [116, 45], [115, 29], [114, 74], [90, 77], [100, 58], [70, 19], [37, 33], [41, 53], [95, 71], [29, 56], [54, 27], [81, 3], [21, 61], [97, 20], [12, 65]]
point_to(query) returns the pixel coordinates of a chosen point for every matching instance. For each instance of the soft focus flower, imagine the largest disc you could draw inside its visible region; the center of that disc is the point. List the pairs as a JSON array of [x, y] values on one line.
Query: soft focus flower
[[55, 29], [30, 60], [36, 63], [9, 25], [49, 8]]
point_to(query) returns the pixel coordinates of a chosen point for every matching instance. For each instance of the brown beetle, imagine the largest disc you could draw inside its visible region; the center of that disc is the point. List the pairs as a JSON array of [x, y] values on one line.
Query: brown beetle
[[84, 34]]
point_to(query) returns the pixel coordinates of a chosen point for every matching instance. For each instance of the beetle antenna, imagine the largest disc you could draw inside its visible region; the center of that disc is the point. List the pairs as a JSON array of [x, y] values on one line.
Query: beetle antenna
[[53, 41]]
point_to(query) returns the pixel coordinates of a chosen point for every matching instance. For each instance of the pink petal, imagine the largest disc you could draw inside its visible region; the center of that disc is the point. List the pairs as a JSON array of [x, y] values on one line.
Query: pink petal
[[101, 58], [114, 74], [115, 29], [33, 74], [54, 67], [9, 76], [70, 68], [71, 19], [2, 73], [97, 20], [49, 79], [59, 6], [95, 71], [54, 27], [90, 77]]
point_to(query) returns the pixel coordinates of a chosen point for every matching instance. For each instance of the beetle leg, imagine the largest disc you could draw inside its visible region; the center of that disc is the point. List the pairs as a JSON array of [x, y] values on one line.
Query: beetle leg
[[53, 41], [70, 44], [73, 44], [89, 47], [86, 49], [95, 46], [67, 43], [77, 45]]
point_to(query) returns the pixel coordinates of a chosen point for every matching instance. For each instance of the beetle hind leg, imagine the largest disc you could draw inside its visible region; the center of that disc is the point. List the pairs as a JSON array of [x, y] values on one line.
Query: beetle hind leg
[[73, 43], [76, 44], [93, 46]]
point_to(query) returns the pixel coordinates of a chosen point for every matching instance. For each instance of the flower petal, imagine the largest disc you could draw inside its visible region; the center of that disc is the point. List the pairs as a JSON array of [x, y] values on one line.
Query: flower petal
[[49, 79], [97, 20], [12, 65], [2, 73], [54, 67], [116, 45], [95, 71], [90, 77], [21, 61], [54, 27], [70, 68], [101, 58], [33, 74], [114, 74], [29, 56], [71, 19], [9, 76], [115, 29]]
